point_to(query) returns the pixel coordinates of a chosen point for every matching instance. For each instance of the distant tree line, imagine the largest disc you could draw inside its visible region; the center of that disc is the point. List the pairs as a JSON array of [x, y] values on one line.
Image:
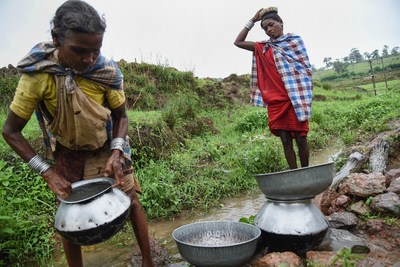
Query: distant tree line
[[355, 56]]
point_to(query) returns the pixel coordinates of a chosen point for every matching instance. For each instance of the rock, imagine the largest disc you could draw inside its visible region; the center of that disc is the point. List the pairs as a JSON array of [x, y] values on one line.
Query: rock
[[335, 239], [386, 203], [360, 208], [324, 200], [275, 259], [374, 226], [342, 220], [363, 185], [321, 258], [391, 175], [394, 186], [339, 204]]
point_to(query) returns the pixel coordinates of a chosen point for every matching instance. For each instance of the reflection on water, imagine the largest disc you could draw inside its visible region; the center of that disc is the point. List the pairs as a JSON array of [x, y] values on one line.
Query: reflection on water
[[118, 255]]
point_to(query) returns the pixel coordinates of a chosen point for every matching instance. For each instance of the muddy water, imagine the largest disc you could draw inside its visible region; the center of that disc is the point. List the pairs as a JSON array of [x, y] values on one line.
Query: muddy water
[[117, 253]]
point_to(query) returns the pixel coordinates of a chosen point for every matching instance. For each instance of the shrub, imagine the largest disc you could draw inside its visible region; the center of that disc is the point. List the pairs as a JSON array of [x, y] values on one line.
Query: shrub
[[26, 215], [257, 119]]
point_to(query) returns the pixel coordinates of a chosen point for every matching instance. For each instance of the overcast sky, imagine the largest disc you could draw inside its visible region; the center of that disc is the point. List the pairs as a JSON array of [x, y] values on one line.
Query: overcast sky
[[198, 35]]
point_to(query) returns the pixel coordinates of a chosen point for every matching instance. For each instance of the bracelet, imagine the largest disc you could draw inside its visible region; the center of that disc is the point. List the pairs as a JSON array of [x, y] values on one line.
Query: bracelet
[[38, 164], [249, 25], [117, 143]]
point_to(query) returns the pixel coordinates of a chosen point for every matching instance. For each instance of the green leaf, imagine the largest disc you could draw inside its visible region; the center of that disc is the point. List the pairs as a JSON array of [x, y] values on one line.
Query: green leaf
[[7, 230]]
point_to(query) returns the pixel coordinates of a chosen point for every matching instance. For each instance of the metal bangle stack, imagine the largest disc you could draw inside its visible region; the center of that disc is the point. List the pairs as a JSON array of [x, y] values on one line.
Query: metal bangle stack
[[117, 143], [38, 164]]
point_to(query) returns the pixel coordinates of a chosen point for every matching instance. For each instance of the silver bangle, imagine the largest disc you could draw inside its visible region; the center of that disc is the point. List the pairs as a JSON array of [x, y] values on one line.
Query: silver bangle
[[117, 143], [249, 25], [38, 164]]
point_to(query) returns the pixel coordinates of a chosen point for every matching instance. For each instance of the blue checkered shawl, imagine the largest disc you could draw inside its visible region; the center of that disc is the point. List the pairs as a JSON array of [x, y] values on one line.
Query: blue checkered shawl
[[104, 71], [293, 65]]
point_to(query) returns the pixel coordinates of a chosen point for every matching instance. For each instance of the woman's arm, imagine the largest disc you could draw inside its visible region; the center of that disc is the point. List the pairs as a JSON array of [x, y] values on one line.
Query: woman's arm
[[120, 130], [12, 133], [241, 38]]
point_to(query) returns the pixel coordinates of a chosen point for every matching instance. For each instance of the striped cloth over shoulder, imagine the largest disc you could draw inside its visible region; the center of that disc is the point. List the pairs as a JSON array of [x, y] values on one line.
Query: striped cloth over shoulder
[[104, 71], [293, 65]]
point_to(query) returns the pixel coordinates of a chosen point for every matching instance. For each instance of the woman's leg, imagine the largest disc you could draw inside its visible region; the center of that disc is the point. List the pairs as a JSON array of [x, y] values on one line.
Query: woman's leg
[[287, 143], [139, 224], [73, 253], [304, 152]]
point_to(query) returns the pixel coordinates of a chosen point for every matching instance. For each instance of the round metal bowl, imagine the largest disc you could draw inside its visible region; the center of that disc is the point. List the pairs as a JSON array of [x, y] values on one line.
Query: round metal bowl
[[217, 243], [295, 184], [93, 213]]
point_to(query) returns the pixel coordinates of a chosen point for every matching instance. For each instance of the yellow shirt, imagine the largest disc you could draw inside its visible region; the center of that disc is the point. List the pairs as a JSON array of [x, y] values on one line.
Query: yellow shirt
[[34, 87]]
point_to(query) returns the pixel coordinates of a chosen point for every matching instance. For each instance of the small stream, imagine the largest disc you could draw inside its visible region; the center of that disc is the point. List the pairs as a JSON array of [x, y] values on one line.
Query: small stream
[[118, 253]]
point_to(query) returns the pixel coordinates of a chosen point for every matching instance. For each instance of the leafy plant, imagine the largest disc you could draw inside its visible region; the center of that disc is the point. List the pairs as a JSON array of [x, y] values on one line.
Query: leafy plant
[[369, 201], [249, 220], [26, 213], [346, 257]]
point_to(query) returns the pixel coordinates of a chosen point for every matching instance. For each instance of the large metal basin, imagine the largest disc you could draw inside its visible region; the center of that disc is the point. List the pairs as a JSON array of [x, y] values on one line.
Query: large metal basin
[[295, 184], [217, 243]]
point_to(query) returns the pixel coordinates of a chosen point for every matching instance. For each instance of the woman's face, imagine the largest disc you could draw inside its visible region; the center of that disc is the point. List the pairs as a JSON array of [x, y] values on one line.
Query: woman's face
[[79, 51], [272, 28]]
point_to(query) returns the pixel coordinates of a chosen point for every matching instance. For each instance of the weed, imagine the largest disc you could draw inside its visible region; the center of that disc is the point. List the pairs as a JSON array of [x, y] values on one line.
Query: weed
[[249, 220], [346, 258]]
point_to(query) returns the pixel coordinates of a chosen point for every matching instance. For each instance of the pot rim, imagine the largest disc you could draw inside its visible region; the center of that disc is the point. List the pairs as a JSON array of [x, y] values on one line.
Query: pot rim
[[80, 183], [253, 239]]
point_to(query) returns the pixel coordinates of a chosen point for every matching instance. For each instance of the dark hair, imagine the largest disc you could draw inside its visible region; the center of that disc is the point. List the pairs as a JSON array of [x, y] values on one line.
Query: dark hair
[[76, 16], [271, 15]]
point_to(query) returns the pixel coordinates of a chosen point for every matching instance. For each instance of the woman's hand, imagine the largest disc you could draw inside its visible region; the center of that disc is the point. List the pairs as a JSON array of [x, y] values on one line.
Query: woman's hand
[[57, 183], [114, 166], [257, 16]]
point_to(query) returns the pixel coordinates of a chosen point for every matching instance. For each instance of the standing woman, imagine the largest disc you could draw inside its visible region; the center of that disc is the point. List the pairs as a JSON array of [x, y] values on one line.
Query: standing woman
[[282, 81], [78, 97]]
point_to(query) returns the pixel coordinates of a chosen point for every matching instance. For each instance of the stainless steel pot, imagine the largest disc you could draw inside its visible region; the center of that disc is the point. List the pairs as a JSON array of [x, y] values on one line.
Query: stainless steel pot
[[296, 225], [93, 213]]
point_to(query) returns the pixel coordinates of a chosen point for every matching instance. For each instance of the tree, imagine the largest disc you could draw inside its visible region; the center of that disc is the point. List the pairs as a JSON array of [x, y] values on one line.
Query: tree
[[385, 51], [313, 68], [395, 51], [328, 61], [355, 56], [375, 54], [339, 66], [367, 55]]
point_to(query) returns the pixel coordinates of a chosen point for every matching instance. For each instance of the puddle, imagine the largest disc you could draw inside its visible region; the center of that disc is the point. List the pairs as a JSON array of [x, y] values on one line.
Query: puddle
[[116, 253]]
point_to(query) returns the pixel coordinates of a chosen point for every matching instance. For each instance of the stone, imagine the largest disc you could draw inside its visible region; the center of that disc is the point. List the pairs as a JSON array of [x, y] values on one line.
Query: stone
[[335, 239], [287, 259], [386, 203], [360, 208], [321, 258], [342, 220], [324, 200], [391, 175], [363, 185], [394, 186]]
